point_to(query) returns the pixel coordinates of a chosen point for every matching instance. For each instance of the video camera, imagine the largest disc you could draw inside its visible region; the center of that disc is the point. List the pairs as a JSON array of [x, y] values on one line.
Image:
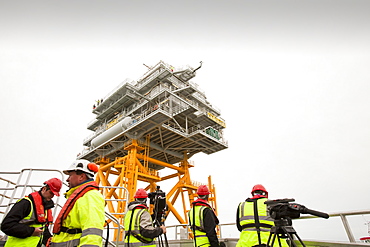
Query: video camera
[[158, 199], [283, 209]]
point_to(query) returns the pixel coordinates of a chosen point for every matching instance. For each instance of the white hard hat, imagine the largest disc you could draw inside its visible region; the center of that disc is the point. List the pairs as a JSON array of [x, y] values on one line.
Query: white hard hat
[[84, 166]]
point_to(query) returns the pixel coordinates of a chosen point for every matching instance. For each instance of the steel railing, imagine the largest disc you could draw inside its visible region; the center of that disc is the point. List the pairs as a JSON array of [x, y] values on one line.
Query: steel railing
[[342, 215]]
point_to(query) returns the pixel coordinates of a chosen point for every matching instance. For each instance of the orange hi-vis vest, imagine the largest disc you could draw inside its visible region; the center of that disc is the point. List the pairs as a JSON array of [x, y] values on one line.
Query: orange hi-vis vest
[[36, 218], [40, 210]]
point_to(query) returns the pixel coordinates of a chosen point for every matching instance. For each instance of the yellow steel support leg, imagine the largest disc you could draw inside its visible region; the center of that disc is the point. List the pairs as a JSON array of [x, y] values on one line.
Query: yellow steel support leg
[[134, 167]]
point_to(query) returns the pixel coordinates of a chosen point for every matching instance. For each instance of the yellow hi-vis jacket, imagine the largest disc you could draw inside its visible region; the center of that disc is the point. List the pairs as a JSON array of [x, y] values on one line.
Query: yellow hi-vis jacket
[[85, 221], [196, 219], [245, 214], [31, 241], [133, 236]]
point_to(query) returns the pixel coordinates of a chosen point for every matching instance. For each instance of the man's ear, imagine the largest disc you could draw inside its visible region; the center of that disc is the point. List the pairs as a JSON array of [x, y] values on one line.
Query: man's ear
[[84, 177], [43, 189]]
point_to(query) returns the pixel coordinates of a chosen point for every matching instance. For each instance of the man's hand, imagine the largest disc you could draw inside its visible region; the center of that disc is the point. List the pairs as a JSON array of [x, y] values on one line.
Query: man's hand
[[163, 228], [48, 243], [38, 231]]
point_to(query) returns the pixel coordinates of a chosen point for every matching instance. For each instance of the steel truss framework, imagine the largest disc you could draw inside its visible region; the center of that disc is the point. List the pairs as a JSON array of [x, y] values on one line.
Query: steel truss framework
[[157, 122], [125, 172]]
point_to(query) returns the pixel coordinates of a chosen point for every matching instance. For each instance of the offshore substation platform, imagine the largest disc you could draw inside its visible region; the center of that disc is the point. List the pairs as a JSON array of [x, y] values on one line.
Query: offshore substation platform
[[159, 121]]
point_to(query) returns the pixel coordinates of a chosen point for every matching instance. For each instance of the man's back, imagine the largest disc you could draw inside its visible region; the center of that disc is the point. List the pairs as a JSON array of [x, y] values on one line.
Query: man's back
[[247, 214]]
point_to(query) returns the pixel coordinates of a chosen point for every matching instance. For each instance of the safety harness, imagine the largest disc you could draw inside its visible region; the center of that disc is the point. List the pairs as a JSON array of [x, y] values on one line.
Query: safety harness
[[193, 227], [39, 215], [130, 232], [257, 221], [257, 224], [39, 209]]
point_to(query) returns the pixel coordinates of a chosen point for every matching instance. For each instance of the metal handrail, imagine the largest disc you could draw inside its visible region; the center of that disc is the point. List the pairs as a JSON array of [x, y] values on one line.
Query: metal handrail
[[26, 184], [342, 216], [111, 216], [3, 195], [119, 227]]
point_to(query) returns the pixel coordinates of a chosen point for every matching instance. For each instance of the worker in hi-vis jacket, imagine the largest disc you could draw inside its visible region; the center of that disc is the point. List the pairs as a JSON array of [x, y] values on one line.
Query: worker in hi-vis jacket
[[203, 220]]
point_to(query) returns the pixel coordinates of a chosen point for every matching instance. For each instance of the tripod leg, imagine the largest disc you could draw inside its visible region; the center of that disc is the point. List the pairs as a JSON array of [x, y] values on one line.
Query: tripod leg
[[279, 241], [165, 239], [299, 239], [273, 239], [291, 242], [268, 241], [159, 239]]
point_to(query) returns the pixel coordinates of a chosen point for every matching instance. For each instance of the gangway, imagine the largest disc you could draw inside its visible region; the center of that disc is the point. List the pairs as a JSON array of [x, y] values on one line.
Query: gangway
[[16, 185], [27, 181]]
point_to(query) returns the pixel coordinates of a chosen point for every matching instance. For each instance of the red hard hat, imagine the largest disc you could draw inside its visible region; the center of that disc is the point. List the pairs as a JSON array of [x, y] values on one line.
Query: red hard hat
[[55, 184], [259, 187], [203, 190], [141, 193]]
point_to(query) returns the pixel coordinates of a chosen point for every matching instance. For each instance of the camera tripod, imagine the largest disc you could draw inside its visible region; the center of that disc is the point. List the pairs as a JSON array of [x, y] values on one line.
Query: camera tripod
[[160, 240], [158, 199], [283, 229]]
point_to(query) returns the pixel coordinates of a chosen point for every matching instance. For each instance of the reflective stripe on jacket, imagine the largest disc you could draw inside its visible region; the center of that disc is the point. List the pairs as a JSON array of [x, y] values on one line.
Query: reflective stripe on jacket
[[88, 216], [246, 216], [31, 241], [196, 221], [249, 235], [132, 235]]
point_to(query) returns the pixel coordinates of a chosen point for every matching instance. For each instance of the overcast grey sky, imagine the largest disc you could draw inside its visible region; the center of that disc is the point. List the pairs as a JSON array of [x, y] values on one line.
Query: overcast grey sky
[[291, 79]]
